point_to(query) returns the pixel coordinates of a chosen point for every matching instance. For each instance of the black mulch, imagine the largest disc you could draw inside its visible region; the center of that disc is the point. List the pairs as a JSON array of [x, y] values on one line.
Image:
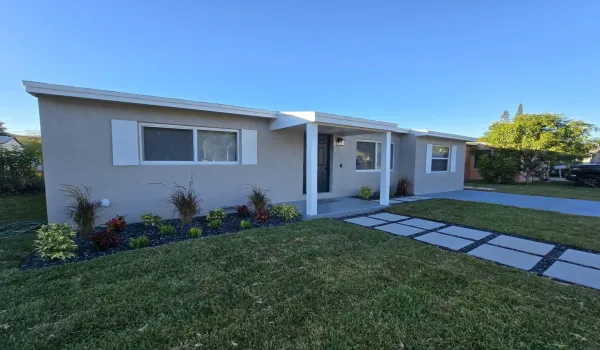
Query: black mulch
[[86, 250]]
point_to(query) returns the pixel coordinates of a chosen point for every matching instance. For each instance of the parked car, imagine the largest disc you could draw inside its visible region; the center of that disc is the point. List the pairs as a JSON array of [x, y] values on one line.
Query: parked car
[[585, 175]]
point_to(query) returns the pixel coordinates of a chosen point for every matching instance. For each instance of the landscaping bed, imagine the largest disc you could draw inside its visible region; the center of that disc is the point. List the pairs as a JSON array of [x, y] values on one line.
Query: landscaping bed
[[87, 250]]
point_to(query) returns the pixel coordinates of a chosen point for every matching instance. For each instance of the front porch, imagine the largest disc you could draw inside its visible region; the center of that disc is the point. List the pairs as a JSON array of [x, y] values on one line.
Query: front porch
[[338, 207]]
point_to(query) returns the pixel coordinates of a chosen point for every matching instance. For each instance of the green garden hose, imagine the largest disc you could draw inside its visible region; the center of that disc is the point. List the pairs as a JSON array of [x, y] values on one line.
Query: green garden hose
[[18, 228]]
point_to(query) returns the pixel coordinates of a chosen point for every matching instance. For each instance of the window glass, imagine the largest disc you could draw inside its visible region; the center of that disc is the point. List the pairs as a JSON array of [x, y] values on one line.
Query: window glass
[[365, 155], [440, 151], [166, 144], [440, 157], [439, 165], [217, 146], [379, 148]]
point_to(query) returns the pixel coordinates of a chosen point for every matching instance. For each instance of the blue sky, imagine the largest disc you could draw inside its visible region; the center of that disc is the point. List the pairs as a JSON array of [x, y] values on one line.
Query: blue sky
[[450, 65]]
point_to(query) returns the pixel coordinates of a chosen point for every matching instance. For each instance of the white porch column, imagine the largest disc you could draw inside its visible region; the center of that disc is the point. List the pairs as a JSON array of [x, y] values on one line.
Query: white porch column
[[384, 188], [312, 138]]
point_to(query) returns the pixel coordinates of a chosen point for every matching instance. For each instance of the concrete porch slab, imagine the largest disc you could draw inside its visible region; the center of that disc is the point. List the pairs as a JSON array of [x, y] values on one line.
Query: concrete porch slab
[[575, 274], [339, 207], [388, 217], [399, 230], [365, 221], [505, 256], [465, 232], [442, 240], [581, 258], [523, 245], [424, 224]]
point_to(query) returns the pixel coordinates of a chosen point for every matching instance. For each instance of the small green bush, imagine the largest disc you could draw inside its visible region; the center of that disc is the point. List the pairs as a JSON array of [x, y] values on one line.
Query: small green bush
[[195, 232], [287, 212], [82, 209], [216, 214], [365, 193], [215, 224], [499, 169], [245, 225], [55, 242], [257, 197], [166, 230], [151, 220], [138, 242]]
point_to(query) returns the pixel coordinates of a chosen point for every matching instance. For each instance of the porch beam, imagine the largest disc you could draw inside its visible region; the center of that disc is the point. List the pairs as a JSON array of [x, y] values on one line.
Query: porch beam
[[312, 138], [384, 188]]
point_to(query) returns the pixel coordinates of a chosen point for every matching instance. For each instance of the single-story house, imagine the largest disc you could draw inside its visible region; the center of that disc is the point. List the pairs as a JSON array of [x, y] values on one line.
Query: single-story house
[[121, 145], [10, 142]]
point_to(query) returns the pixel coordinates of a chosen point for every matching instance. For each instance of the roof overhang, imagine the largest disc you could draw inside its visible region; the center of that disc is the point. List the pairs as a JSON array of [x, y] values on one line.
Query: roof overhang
[[443, 135], [294, 119], [36, 89]]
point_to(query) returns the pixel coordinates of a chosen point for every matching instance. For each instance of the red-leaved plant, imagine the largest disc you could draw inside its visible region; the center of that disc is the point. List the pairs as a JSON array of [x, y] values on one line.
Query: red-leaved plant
[[105, 239], [117, 224], [261, 215], [243, 211]]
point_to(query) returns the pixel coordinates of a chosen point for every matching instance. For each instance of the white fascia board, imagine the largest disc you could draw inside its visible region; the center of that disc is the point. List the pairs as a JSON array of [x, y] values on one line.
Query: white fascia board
[[36, 88], [332, 119], [291, 119], [443, 135]]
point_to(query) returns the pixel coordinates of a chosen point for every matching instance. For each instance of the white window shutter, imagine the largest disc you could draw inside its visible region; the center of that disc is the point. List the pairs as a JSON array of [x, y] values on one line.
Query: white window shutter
[[249, 147], [428, 158], [453, 159], [125, 146]]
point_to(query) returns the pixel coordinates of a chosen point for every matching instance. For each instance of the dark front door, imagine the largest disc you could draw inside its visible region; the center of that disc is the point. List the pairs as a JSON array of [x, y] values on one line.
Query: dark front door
[[323, 158]]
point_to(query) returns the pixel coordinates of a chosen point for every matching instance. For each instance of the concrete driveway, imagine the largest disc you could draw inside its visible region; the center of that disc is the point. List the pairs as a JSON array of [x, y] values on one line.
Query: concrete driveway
[[563, 205]]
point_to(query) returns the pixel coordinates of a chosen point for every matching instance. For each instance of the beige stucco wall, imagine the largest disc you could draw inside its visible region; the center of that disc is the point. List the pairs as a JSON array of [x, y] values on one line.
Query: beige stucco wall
[[438, 182]]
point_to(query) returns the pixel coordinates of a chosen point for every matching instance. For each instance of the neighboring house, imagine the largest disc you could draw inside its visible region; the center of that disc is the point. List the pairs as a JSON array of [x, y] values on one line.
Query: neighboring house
[[122, 144], [473, 151], [10, 142]]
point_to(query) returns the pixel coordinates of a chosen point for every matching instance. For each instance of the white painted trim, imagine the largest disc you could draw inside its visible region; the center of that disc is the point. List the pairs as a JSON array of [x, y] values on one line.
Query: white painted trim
[[312, 145], [431, 158], [36, 88], [428, 154], [443, 135], [249, 147], [384, 186], [124, 137], [377, 145], [194, 129], [291, 119], [453, 159]]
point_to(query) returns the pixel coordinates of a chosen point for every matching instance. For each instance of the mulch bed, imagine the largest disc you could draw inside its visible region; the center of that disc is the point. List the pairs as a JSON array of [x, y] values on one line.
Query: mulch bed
[[86, 250]]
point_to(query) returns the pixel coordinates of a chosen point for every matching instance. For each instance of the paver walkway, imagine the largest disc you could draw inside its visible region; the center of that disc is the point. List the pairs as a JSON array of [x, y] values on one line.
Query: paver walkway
[[546, 259], [563, 205]]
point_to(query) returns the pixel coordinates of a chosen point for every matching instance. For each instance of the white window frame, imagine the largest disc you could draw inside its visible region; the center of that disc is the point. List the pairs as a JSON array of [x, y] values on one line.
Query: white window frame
[[377, 145], [195, 145], [449, 158]]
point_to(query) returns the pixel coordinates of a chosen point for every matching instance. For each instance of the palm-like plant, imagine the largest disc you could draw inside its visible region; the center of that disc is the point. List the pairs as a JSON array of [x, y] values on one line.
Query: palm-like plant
[[82, 209]]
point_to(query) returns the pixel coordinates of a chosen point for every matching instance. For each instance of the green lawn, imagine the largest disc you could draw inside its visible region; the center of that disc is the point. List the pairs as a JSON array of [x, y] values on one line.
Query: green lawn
[[547, 189], [316, 284], [574, 230]]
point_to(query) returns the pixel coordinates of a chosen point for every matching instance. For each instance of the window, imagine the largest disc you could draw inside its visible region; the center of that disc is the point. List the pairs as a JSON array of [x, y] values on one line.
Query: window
[[368, 155], [440, 158], [164, 144]]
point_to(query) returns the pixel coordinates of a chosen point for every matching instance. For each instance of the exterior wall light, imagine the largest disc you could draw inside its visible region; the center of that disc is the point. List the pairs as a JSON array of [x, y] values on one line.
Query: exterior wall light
[[339, 141]]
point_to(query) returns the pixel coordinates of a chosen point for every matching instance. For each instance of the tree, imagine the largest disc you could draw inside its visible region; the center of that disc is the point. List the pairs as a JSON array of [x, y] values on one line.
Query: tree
[[3, 131], [539, 141], [519, 110], [505, 118]]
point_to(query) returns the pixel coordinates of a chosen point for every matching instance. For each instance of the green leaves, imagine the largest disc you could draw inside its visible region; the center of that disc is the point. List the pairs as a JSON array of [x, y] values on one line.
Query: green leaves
[[55, 241]]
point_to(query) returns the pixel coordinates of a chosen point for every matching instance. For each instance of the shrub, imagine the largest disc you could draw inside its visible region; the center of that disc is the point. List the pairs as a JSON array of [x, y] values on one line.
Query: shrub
[[243, 211], [19, 168], [365, 193], [105, 239], [216, 214], [166, 230], [287, 212], [138, 242], [261, 215], [185, 201], [501, 168], [403, 184], [151, 220], [257, 197], [117, 224], [195, 232], [215, 224], [245, 225], [55, 241], [83, 210], [393, 192]]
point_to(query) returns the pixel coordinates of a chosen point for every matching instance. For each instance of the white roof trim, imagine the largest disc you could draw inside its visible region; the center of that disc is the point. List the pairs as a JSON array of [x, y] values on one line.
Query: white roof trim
[[420, 133], [35, 88]]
